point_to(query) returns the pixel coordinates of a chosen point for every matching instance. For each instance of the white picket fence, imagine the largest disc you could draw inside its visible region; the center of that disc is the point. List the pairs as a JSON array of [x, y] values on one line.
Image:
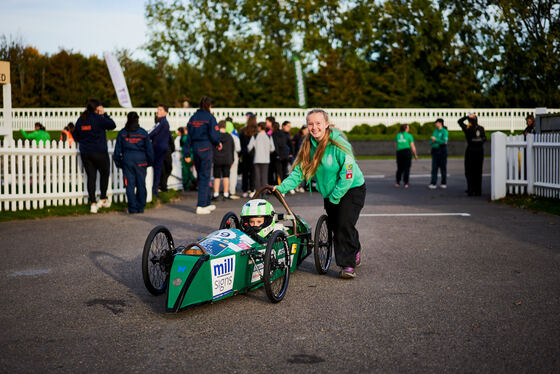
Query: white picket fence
[[526, 166], [345, 119], [50, 174]]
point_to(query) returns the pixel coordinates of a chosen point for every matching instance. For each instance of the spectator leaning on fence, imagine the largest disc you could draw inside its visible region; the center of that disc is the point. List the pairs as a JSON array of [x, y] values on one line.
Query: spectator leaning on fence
[[39, 135], [134, 153], [66, 134], [90, 135]]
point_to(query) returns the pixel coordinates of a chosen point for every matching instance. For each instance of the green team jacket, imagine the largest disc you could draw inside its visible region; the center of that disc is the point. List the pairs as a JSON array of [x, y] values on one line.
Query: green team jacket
[[337, 173], [38, 135], [441, 137]]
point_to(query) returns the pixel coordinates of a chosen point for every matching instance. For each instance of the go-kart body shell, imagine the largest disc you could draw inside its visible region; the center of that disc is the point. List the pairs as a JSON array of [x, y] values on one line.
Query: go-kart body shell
[[228, 267]]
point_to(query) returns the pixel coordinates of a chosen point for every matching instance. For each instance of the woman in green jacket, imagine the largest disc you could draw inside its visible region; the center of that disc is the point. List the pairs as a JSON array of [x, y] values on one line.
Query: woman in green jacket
[[439, 154], [40, 134], [405, 148], [326, 156]]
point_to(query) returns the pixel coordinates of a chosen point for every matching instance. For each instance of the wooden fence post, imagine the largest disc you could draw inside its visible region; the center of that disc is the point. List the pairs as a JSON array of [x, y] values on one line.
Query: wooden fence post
[[498, 180]]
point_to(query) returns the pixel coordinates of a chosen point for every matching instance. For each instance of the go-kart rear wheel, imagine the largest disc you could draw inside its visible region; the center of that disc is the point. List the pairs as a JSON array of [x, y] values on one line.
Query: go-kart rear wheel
[[157, 259], [276, 266], [322, 250], [230, 221]]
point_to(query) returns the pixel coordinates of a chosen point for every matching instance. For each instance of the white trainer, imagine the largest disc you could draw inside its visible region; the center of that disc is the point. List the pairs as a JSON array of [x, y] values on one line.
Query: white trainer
[[443, 186], [105, 203], [432, 187], [203, 210], [211, 207], [93, 208], [292, 192]]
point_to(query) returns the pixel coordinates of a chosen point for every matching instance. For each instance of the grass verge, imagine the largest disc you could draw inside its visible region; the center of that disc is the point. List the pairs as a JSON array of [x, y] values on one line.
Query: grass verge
[[533, 203], [78, 210]]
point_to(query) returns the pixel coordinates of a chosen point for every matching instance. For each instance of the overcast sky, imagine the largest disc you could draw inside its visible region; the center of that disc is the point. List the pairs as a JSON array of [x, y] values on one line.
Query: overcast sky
[[88, 27]]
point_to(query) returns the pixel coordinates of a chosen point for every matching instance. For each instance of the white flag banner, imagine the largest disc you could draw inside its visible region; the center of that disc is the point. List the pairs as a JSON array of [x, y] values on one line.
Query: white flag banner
[[117, 77]]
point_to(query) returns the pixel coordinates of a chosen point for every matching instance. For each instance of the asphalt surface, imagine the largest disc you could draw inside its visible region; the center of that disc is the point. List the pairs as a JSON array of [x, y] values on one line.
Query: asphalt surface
[[459, 293]]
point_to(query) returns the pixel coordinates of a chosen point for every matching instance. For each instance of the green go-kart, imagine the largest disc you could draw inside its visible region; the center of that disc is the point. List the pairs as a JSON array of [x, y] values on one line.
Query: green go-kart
[[229, 262]]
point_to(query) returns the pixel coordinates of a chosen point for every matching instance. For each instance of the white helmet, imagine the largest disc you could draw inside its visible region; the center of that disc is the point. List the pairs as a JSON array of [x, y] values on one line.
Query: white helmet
[[258, 208]]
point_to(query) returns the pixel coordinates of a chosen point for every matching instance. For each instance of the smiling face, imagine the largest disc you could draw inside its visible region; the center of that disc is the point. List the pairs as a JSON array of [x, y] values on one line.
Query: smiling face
[[317, 125]]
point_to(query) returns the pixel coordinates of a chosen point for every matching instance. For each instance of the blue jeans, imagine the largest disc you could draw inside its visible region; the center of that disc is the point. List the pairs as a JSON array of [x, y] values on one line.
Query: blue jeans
[[439, 161]]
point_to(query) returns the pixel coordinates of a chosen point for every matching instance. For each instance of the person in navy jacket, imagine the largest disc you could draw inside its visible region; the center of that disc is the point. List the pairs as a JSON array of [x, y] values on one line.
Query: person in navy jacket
[[134, 153], [203, 136], [90, 135], [159, 136]]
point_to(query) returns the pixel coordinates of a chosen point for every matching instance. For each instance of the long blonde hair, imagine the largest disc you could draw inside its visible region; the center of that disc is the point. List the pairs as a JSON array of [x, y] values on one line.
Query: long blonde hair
[[308, 164]]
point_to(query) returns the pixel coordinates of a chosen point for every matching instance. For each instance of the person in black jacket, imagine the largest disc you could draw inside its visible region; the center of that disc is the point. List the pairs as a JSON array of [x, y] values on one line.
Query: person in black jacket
[[159, 136], [474, 155], [223, 158], [247, 157], [167, 166], [90, 135], [281, 155], [134, 153]]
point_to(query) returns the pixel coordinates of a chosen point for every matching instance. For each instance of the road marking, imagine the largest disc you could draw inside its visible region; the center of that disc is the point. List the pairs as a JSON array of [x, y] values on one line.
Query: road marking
[[30, 272], [414, 214]]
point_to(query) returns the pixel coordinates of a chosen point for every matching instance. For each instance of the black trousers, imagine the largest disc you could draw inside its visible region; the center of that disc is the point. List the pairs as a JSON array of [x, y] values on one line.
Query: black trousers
[[474, 159], [404, 158], [247, 174], [342, 221], [439, 161], [94, 162]]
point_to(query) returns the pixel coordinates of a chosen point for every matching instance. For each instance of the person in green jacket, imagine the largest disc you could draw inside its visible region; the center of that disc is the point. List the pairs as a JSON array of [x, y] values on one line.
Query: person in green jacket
[[405, 149], [439, 154], [327, 157], [39, 135]]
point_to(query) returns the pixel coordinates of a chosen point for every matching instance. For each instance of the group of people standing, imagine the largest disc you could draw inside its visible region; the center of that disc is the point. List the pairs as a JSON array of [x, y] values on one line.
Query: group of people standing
[[135, 150], [474, 154]]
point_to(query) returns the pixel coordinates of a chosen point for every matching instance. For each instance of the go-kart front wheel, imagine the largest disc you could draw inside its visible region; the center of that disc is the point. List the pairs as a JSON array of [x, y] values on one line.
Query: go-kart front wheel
[[230, 221], [322, 250], [276, 266], [157, 259]]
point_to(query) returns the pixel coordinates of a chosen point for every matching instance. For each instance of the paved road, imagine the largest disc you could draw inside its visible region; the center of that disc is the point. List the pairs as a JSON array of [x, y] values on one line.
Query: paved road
[[476, 293]]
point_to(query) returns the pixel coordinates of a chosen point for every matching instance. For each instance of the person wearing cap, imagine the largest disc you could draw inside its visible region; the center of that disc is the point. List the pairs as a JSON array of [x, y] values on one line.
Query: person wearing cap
[[438, 142], [327, 157], [474, 154], [530, 129], [204, 135]]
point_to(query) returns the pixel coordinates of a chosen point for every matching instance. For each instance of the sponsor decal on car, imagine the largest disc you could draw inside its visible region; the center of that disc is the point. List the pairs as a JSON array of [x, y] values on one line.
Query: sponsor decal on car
[[222, 271]]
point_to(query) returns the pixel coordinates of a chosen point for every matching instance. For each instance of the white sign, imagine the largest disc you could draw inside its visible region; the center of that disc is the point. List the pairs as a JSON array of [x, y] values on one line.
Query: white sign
[[223, 271], [117, 77]]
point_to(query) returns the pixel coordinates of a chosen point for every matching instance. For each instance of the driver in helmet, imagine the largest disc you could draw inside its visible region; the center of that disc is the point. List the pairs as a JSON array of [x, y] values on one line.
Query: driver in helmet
[[258, 219]]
